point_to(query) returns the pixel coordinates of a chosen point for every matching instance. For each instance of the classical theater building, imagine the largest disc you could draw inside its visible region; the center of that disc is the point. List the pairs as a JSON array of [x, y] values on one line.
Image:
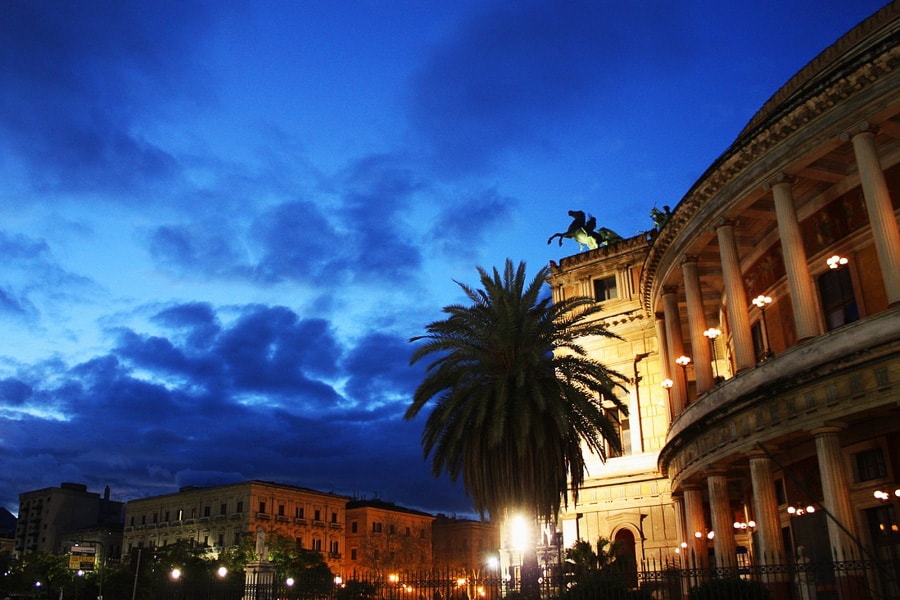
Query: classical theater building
[[769, 305]]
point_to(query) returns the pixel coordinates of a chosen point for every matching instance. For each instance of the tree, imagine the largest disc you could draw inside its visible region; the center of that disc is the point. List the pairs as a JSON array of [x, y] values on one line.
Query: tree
[[515, 393]]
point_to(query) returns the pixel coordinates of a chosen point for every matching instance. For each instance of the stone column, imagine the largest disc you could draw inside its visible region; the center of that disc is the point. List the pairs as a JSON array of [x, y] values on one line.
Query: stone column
[[770, 550], [697, 550], [835, 491], [881, 212], [665, 371], [804, 299], [765, 507], [722, 519], [675, 349], [736, 295], [703, 372]]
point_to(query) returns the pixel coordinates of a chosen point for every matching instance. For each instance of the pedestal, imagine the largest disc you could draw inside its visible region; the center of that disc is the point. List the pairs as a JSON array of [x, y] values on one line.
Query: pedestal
[[259, 582]]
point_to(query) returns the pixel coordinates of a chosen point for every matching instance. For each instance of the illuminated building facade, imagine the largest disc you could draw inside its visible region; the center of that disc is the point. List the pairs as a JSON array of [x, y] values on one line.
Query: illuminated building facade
[[464, 546], [386, 541], [219, 517], [777, 278]]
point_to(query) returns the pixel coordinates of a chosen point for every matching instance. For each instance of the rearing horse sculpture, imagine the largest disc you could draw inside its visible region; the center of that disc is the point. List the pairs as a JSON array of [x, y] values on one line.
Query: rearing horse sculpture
[[582, 231]]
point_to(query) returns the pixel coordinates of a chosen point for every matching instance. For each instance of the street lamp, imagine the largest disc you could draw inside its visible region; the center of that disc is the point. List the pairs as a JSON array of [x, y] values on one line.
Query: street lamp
[[712, 333], [761, 302]]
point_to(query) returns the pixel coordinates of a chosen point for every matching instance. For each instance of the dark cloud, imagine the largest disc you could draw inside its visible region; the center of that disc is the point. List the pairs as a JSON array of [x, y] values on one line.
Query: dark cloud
[[32, 278], [380, 371], [460, 229], [513, 71], [356, 231], [157, 412], [14, 392], [202, 249], [85, 75]]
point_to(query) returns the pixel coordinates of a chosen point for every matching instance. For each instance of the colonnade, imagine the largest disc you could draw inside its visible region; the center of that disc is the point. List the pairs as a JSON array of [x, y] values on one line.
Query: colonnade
[[695, 525], [805, 303]]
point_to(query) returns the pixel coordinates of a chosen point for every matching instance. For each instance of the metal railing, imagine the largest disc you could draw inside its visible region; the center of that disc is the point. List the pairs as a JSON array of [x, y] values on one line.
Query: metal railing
[[840, 580]]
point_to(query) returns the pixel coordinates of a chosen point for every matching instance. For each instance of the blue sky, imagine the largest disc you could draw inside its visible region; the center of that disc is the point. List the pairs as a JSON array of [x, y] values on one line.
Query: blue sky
[[220, 222]]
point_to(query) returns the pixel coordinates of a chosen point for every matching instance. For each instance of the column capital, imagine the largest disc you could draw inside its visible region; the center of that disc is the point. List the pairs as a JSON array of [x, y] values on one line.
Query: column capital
[[690, 258], [833, 428], [859, 128], [670, 289], [716, 472], [723, 222], [756, 453], [779, 178]]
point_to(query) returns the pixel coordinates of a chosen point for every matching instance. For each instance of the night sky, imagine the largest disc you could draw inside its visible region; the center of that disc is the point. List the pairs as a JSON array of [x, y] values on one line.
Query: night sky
[[220, 222]]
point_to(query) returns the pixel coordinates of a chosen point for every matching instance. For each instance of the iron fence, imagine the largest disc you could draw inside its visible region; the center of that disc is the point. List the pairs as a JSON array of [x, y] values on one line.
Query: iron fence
[[843, 580]]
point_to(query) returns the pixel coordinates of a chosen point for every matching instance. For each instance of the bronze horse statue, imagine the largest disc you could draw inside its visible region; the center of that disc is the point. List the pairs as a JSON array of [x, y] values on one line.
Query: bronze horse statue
[[582, 230]]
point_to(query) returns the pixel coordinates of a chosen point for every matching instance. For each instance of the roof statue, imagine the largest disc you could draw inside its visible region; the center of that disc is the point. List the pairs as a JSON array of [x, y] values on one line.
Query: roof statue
[[584, 231], [660, 217]]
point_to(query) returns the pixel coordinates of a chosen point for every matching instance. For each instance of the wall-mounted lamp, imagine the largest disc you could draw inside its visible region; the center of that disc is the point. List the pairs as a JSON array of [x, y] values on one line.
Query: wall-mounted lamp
[[836, 262], [799, 510], [885, 496], [762, 302], [712, 333]]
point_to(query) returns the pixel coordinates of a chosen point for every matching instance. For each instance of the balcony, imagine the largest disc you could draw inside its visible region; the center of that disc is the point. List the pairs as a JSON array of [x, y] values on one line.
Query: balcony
[[829, 378]]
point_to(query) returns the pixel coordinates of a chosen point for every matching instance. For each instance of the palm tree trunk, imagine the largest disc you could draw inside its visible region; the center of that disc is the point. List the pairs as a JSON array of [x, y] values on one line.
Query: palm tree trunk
[[531, 573]]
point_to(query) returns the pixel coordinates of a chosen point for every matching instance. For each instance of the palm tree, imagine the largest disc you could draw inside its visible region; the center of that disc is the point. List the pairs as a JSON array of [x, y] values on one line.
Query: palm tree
[[515, 394]]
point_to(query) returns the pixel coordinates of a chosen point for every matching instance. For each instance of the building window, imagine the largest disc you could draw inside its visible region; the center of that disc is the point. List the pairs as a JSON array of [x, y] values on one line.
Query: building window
[[870, 465], [838, 300], [622, 424], [155, 517], [262, 507], [240, 506], [317, 516], [408, 532], [167, 516], [333, 547], [353, 554], [180, 515], [223, 509], [298, 512], [334, 517], [376, 527], [392, 529], [317, 545], [221, 540], [206, 510], [353, 526], [281, 510], [605, 288]]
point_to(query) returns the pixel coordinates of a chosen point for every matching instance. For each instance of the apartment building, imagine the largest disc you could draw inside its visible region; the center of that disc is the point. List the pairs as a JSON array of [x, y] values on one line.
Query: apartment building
[[219, 517], [386, 540], [52, 519]]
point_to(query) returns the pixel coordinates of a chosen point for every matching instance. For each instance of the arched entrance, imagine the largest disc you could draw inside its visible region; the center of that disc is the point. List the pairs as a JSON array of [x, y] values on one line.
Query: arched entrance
[[627, 559]]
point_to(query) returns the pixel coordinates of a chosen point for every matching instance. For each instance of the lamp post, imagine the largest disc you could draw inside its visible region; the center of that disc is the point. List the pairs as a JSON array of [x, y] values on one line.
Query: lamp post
[[761, 302], [712, 333], [684, 361]]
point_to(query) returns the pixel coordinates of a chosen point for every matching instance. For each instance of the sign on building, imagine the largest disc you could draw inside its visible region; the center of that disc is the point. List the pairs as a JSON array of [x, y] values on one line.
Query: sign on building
[[82, 557]]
